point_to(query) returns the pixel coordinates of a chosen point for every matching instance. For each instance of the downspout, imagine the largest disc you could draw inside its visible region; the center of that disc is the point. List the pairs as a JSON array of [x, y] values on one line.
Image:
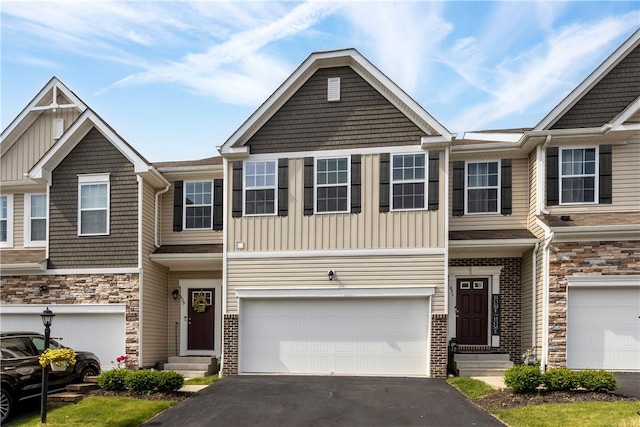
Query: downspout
[[534, 285], [141, 316], [155, 215], [545, 304], [225, 248], [542, 173]]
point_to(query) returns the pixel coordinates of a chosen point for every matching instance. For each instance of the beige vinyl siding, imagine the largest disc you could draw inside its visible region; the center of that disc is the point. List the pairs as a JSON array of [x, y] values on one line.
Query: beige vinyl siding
[[33, 144], [625, 179], [155, 295], [351, 272], [368, 229], [185, 237], [520, 203], [527, 300]]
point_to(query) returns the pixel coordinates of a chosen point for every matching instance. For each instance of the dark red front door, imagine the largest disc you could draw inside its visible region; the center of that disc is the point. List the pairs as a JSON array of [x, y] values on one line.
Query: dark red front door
[[472, 309], [201, 318]]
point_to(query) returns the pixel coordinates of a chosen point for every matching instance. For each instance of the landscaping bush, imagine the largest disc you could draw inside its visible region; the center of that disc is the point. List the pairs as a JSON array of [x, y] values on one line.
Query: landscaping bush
[[597, 380], [169, 381], [142, 382], [560, 379], [523, 378], [113, 380]]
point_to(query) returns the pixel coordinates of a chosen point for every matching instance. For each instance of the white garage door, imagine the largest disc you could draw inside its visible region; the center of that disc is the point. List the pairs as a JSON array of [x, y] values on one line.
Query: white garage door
[[99, 329], [603, 328], [356, 336]]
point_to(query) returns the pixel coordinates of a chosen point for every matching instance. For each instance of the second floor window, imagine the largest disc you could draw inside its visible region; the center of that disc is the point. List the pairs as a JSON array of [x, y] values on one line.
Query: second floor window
[[260, 188], [93, 201], [408, 181], [5, 221], [578, 175], [332, 185], [36, 221], [482, 187], [198, 205]]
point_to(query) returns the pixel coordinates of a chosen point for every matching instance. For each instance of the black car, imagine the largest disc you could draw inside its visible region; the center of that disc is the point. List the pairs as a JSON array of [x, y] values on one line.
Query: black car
[[21, 373]]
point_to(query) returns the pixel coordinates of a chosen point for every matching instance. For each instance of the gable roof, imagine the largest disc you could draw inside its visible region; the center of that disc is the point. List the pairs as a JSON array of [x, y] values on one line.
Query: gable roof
[[45, 99], [597, 76], [235, 145]]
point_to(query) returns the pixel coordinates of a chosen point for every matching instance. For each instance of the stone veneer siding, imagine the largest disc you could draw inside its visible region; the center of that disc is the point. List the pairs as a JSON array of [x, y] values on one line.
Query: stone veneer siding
[[439, 346], [510, 301], [230, 346], [581, 259], [81, 289]]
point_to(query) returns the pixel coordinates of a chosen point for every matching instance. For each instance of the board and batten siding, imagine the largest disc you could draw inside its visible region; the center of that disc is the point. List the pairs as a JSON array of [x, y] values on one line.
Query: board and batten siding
[[33, 144], [94, 154], [155, 295], [625, 176], [351, 272], [369, 229], [520, 203]]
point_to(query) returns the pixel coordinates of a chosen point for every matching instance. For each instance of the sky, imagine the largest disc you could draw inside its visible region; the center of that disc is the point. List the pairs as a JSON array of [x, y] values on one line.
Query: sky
[[175, 79]]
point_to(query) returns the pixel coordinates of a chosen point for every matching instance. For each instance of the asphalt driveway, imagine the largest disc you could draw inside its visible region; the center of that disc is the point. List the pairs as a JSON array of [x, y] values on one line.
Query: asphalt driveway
[[628, 383], [325, 401]]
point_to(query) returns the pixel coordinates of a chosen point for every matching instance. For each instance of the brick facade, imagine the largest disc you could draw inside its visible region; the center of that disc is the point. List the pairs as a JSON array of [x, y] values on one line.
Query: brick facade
[[81, 289], [230, 344], [438, 355], [510, 301], [581, 259]]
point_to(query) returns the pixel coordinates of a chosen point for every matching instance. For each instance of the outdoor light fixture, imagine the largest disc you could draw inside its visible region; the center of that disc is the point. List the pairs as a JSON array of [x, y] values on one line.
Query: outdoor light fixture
[[47, 319], [331, 273], [175, 293], [44, 288]]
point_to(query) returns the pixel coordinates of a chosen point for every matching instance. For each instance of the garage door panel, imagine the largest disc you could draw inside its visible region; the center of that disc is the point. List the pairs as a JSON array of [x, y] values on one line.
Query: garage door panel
[[341, 336]]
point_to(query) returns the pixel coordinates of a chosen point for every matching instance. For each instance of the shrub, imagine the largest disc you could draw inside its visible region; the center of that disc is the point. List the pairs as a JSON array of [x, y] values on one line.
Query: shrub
[[560, 379], [114, 380], [169, 381], [142, 382], [597, 380], [522, 378]]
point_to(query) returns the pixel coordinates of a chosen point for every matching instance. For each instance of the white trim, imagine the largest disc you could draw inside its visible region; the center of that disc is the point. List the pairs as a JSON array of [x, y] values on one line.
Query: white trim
[[141, 207], [424, 181], [28, 242], [336, 253], [407, 291], [185, 257], [31, 268], [98, 270], [316, 185], [93, 179], [447, 242], [63, 308], [501, 243], [488, 187], [604, 281], [626, 114], [9, 219], [184, 205], [257, 187], [336, 153]]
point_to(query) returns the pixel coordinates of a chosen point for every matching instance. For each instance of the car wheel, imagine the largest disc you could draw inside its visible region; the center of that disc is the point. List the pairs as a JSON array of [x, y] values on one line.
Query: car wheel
[[6, 405], [88, 372]]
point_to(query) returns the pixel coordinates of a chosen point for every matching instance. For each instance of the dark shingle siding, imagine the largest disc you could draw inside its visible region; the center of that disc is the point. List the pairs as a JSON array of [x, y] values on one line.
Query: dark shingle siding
[[608, 98], [308, 122], [94, 154]]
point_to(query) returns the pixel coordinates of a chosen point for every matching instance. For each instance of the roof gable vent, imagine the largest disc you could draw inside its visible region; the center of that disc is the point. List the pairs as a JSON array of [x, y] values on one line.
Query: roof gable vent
[[58, 128], [333, 89]]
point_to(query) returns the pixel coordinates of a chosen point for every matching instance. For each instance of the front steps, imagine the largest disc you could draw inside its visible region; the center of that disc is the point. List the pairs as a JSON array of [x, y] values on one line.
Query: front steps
[[192, 366], [74, 392], [482, 365]]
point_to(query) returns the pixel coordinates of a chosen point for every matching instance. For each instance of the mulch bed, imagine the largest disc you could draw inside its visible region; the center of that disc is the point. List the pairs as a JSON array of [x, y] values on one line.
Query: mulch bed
[[507, 399]]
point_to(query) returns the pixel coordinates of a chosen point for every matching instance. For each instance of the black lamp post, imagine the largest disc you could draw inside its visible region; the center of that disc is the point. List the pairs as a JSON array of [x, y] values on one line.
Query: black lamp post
[[47, 319]]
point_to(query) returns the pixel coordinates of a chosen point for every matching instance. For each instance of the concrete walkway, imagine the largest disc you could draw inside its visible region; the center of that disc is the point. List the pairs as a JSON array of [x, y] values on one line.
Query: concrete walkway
[[495, 382]]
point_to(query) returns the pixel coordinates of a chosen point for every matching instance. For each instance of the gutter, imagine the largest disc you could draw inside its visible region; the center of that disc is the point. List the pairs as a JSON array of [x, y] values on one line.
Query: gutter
[[155, 215]]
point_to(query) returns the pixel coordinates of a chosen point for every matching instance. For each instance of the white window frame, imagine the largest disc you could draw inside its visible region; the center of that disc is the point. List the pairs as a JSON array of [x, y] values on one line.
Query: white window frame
[[28, 241], [93, 179], [246, 187], [488, 187], [595, 175], [424, 180], [185, 206], [9, 242], [316, 185]]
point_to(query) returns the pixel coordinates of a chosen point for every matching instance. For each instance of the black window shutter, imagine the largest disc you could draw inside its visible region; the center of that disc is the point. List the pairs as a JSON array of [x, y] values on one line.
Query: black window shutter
[[434, 180], [505, 187], [356, 183], [218, 199], [236, 208], [177, 205], [308, 185], [283, 187], [458, 188], [553, 182], [604, 178], [385, 174]]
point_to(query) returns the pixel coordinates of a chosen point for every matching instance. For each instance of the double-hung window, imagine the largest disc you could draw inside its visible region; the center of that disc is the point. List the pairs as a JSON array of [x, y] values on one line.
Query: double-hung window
[[482, 187], [6, 216], [332, 184], [578, 175], [260, 188], [408, 178], [198, 205], [35, 208], [93, 204]]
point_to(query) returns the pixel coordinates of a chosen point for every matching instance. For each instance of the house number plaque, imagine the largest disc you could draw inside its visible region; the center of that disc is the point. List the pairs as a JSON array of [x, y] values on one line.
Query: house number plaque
[[495, 314]]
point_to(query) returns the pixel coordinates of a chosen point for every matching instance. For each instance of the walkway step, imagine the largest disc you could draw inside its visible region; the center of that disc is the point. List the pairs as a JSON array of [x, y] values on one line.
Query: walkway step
[[66, 396], [481, 356], [82, 387], [193, 359]]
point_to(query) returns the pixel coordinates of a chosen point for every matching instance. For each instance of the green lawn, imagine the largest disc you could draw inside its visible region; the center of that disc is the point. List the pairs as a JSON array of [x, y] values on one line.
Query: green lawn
[[202, 381], [470, 387]]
